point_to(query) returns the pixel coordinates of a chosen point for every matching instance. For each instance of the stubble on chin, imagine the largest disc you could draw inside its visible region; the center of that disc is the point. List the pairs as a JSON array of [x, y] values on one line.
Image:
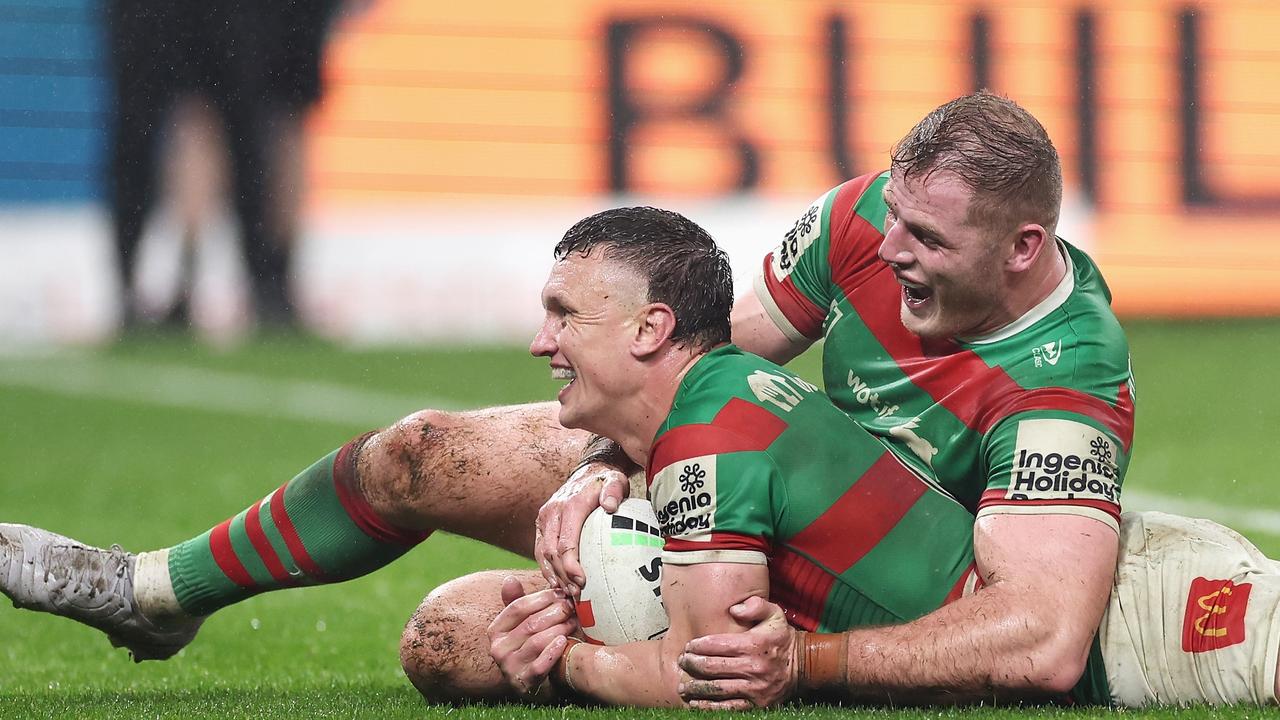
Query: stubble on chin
[[913, 324]]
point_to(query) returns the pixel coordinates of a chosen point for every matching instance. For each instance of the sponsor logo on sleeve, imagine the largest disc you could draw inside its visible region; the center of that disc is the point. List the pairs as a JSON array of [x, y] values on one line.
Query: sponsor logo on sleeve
[[783, 391], [834, 315], [684, 499], [1049, 352], [798, 239], [1063, 460], [1133, 388], [1215, 615]]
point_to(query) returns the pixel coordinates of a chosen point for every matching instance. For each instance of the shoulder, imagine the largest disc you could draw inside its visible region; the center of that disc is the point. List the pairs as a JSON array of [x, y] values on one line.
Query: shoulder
[[1099, 345], [730, 401], [857, 205], [1072, 358], [1074, 340]]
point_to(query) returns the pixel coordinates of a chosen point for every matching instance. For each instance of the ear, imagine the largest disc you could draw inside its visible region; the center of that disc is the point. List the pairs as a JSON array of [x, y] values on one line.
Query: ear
[[655, 324], [1030, 241]]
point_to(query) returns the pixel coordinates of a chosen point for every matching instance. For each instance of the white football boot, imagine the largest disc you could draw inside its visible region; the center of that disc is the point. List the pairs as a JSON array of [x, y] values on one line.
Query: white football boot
[[40, 570]]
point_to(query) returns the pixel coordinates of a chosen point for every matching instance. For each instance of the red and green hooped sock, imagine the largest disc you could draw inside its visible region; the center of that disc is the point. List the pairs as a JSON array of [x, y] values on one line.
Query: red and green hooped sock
[[313, 530]]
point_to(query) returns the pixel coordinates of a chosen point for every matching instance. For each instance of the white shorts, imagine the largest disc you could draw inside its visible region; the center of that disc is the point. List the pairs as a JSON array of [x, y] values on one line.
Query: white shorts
[[1193, 615]]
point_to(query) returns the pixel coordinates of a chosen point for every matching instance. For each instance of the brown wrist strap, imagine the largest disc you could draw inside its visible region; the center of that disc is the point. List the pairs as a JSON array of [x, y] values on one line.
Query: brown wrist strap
[[822, 660], [560, 672]]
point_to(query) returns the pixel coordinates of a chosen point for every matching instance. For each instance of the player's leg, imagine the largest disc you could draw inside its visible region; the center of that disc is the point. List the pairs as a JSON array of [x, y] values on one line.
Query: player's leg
[[1194, 616], [483, 474], [445, 646]]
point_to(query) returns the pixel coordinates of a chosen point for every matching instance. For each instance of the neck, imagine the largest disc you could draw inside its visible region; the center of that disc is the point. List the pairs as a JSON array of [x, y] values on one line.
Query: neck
[[639, 416], [1040, 282]]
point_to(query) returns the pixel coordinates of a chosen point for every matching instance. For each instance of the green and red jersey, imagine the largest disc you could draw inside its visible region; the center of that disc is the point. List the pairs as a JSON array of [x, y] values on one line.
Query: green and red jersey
[[754, 464], [1034, 418]]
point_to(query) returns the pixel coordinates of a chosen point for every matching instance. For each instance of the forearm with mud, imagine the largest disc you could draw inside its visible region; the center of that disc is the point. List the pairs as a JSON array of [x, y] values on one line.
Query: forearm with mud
[[983, 647]]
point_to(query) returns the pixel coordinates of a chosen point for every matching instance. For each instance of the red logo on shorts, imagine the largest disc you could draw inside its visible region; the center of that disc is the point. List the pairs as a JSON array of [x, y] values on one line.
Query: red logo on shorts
[[1215, 615]]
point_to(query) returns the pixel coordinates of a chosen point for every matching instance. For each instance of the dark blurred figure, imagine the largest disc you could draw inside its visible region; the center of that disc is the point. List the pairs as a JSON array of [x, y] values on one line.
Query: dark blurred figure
[[256, 65], [298, 30]]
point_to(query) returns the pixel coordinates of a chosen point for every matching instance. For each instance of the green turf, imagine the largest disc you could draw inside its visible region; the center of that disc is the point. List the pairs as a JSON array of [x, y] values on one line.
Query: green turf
[[145, 475]]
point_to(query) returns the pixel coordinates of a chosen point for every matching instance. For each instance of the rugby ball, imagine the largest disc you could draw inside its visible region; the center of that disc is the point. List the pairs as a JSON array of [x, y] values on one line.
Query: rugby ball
[[621, 556]]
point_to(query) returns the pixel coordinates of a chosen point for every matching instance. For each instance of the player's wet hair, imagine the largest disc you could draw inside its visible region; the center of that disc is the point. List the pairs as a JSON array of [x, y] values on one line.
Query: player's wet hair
[[684, 267], [998, 149]]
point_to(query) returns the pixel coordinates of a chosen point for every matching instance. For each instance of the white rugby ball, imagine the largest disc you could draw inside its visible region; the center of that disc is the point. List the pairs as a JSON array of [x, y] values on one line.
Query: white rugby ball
[[621, 556]]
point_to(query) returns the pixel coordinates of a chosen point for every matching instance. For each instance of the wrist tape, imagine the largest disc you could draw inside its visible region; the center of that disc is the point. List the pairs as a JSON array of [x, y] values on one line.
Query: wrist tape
[[822, 660]]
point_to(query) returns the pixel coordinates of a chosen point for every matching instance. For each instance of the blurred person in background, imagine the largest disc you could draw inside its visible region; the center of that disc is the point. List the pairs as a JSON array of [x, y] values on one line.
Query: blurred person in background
[[224, 88], [299, 32]]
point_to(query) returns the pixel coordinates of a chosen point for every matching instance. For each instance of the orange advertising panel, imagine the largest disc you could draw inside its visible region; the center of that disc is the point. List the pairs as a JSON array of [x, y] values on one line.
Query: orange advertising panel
[[1167, 116]]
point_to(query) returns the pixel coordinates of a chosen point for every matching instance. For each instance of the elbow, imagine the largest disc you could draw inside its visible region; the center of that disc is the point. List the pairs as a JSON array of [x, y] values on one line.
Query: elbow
[[1050, 664], [1060, 675]]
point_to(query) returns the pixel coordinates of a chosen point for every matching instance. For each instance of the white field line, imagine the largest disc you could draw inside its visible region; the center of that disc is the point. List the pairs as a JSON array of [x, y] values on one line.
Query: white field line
[[1245, 520], [198, 389], [189, 388]]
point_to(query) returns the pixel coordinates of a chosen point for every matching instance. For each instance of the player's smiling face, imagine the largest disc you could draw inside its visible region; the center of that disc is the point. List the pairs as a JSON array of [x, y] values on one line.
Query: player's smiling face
[[951, 270], [591, 305]]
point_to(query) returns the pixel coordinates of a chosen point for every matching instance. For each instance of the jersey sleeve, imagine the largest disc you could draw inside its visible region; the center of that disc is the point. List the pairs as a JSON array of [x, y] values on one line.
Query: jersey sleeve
[[796, 283], [715, 507], [1054, 462]]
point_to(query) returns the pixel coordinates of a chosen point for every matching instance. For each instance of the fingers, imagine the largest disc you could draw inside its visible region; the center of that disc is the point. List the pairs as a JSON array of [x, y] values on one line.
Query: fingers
[[533, 647], [528, 635], [725, 645], [541, 666], [714, 690], [559, 525], [527, 607], [545, 538], [527, 664], [568, 569], [565, 561], [712, 666], [616, 488], [724, 671], [753, 610], [725, 694], [512, 590]]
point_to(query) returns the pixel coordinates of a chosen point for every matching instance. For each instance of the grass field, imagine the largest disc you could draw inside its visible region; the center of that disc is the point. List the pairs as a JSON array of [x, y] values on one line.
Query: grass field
[[152, 441]]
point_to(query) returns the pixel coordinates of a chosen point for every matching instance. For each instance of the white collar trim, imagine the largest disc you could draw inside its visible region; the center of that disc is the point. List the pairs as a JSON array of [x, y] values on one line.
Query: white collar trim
[[1055, 299]]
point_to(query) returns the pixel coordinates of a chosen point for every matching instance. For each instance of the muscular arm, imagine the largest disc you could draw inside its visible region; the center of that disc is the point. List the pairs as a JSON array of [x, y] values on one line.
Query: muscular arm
[[754, 331], [697, 598], [1026, 634]]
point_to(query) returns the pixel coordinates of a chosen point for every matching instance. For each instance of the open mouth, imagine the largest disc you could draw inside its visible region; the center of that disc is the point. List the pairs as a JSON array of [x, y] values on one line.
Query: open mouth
[[915, 295], [564, 373]]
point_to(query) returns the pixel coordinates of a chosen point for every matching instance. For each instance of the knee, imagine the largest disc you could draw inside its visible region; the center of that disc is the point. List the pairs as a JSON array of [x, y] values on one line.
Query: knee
[[425, 650], [444, 649], [394, 464]]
